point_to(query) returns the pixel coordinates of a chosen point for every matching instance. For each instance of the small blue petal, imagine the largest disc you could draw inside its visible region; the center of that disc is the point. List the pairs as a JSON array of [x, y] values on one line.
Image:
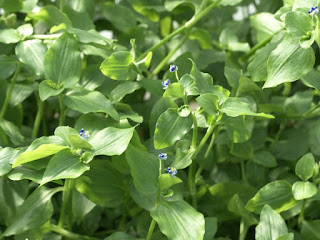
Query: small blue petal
[[173, 68], [165, 84], [313, 11], [172, 171], [84, 134], [162, 156]]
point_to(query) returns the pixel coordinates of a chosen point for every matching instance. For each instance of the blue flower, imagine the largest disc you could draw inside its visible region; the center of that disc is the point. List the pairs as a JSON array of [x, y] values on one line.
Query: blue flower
[[84, 134], [172, 171], [162, 156], [173, 68], [165, 83], [313, 11]]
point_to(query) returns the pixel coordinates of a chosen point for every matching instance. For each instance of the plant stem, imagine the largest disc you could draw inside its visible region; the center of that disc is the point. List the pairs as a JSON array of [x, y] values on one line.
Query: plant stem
[[66, 202], [151, 228], [301, 216], [243, 230], [167, 58], [192, 168], [195, 132], [69, 234], [7, 99], [62, 5], [243, 171], [38, 119], [281, 128], [43, 36], [187, 25], [62, 111]]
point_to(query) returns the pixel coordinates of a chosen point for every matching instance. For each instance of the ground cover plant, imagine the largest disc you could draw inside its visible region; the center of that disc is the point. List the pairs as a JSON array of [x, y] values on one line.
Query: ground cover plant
[[162, 119]]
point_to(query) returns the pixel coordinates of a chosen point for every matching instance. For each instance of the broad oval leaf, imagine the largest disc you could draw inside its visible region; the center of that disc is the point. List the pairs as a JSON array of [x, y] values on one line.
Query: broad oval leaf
[[303, 190], [179, 221], [209, 102], [277, 194], [9, 36], [48, 88], [62, 63], [6, 155], [111, 141], [117, 66], [34, 212], [305, 166], [65, 164], [271, 225], [170, 128], [288, 62]]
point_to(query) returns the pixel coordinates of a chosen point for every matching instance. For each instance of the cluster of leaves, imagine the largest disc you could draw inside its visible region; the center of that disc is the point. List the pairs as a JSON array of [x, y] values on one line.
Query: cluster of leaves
[[237, 121]]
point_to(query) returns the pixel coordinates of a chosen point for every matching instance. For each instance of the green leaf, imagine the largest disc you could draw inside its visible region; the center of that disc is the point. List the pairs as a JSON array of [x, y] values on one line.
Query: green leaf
[[86, 101], [81, 206], [289, 236], [48, 88], [265, 25], [248, 88], [146, 201], [38, 205], [144, 168], [65, 164], [120, 235], [11, 5], [170, 128], [22, 172], [32, 53], [174, 91], [265, 159], [277, 194], [8, 36], [209, 102], [25, 30], [103, 184], [12, 131], [91, 36], [311, 79], [305, 166], [298, 24], [304, 4], [211, 227], [62, 63], [21, 92], [120, 16], [288, 62], [230, 2], [121, 90], [7, 66], [6, 156], [42, 151], [76, 142], [166, 181], [111, 141], [234, 107], [303, 190], [179, 221], [271, 225], [117, 66], [310, 230], [51, 16], [172, 4], [204, 82], [188, 85]]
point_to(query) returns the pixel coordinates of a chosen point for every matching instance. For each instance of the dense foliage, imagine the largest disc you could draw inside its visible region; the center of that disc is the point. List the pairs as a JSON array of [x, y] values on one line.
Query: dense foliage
[[159, 119]]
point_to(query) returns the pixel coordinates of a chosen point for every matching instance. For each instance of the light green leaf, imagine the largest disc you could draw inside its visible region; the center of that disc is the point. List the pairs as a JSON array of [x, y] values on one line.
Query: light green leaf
[[86, 101], [38, 205], [265, 159], [11, 5], [211, 227], [21, 92], [311, 79], [7, 66], [179, 221], [76, 142], [172, 4], [288, 62], [170, 128], [22, 172], [188, 85], [146, 201], [121, 90], [209, 102], [6, 156], [277, 194], [234, 107], [144, 168], [307, 40], [8, 36], [32, 53], [289, 236], [120, 236], [111, 141], [48, 88], [65, 164], [204, 82], [303, 190], [91, 36], [305, 167], [25, 30], [304, 4], [62, 63], [298, 24], [42, 151], [271, 225], [103, 184], [12, 131], [238, 128], [117, 66], [166, 181], [174, 91], [230, 2]]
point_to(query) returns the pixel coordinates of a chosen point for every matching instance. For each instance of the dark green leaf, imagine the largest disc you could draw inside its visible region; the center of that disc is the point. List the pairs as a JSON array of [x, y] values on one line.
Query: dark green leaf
[[305, 166], [265, 158], [310, 230]]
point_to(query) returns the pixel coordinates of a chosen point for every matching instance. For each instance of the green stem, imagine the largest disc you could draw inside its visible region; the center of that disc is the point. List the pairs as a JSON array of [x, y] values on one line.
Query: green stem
[[151, 228], [43, 36], [38, 119], [301, 216], [243, 171], [195, 132], [167, 58], [62, 5], [281, 128], [258, 46], [69, 234], [66, 202], [243, 230], [187, 25], [192, 168], [62, 111], [7, 99]]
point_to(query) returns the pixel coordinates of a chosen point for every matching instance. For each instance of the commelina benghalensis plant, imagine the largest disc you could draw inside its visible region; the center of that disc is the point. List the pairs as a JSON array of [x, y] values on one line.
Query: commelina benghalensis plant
[[159, 119]]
